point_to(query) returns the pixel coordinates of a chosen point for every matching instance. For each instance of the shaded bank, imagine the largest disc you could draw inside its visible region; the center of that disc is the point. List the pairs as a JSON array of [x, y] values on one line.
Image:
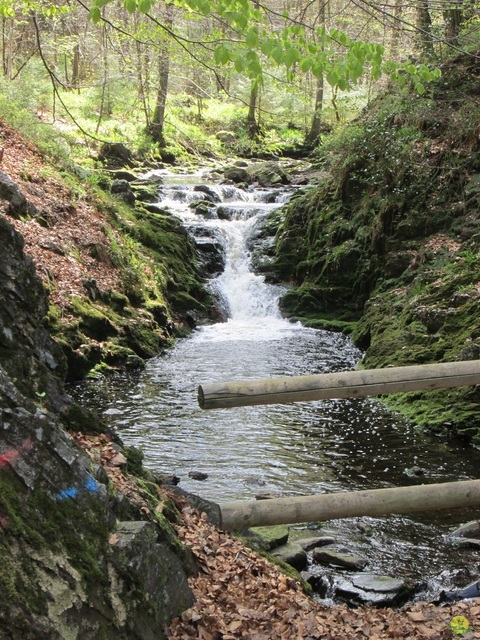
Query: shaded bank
[[386, 246]]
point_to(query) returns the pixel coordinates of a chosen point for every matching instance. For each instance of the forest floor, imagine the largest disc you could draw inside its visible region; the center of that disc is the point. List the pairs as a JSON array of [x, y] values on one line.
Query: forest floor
[[238, 593]]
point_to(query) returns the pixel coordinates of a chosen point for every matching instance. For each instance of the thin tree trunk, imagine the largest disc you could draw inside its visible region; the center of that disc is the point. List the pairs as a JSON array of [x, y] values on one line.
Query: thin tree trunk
[[252, 124], [7, 37], [76, 67], [397, 15], [453, 23], [158, 119], [316, 124], [424, 24]]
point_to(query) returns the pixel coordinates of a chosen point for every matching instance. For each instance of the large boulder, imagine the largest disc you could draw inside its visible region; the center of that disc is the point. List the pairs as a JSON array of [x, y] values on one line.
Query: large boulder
[[267, 174], [18, 205], [116, 154]]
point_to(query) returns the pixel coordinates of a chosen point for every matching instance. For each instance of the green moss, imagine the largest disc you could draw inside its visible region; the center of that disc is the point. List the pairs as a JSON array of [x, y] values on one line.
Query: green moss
[[386, 246], [38, 520], [287, 569]]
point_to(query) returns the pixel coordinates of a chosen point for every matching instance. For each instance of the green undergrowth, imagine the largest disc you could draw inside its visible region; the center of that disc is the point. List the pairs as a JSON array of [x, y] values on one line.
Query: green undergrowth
[[387, 245]]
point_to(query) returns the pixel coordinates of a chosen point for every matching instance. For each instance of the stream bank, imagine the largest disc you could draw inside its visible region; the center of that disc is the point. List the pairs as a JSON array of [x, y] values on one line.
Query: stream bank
[[387, 245]]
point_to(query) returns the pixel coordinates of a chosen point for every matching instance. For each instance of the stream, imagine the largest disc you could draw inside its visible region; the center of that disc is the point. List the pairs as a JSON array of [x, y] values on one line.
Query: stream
[[302, 448]]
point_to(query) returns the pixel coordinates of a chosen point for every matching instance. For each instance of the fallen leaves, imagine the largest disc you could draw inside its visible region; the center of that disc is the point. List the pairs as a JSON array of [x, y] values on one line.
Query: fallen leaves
[[68, 241], [103, 451], [241, 595]]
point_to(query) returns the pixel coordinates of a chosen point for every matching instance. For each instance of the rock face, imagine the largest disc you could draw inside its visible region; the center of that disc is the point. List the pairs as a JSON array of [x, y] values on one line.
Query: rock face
[[68, 570]]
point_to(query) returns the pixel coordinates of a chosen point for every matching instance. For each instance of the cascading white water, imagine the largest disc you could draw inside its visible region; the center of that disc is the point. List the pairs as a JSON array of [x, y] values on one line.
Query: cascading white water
[[251, 303]]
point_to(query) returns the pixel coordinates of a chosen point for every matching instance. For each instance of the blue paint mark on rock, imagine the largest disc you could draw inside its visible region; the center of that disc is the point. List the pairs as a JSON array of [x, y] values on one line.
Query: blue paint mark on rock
[[67, 493], [91, 485]]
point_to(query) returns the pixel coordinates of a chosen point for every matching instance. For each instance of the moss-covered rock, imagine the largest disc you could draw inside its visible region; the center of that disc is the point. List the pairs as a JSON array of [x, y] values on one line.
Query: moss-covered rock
[[68, 568], [387, 245]]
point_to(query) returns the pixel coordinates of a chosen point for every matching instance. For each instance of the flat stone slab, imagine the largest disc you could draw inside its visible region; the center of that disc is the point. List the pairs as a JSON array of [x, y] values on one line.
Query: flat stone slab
[[336, 559], [268, 538], [468, 530], [473, 543], [311, 543], [379, 584], [292, 554]]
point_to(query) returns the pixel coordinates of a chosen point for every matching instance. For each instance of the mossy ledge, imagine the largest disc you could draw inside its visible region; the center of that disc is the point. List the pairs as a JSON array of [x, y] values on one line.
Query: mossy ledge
[[387, 245]]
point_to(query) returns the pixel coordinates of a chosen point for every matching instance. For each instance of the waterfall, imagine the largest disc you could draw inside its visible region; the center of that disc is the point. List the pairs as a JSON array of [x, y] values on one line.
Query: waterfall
[[232, 217]]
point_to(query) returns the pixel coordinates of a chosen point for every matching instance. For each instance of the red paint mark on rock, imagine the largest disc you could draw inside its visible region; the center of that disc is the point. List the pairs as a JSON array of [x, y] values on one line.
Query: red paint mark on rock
[[7, 457]]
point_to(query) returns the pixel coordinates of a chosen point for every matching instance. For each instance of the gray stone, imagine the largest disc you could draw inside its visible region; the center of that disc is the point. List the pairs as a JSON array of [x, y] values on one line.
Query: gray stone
[[371, 589], [292, 554], [123, 189], [237, 174], [18, 204], [372, 582], [268, 538], [197, 475], [468, 530], [225, 136], [312, 543], [209, 193], [115, 153], [146, 567], [267, 174], [472, 543], [336, 559]]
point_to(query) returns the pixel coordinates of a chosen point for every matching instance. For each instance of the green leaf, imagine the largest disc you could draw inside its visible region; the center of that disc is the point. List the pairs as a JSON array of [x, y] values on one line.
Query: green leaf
[[130, 5], [204, 7], [240, 65], [94, 15], [221, 54], [292, 56], [419, 87], [145, 5], [305, 64], [266, 47], [251, 39], [277, 55], [332, 78]]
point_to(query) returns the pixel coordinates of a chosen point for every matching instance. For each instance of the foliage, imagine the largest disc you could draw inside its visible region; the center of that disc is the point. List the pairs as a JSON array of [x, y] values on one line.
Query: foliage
[[23, 103]]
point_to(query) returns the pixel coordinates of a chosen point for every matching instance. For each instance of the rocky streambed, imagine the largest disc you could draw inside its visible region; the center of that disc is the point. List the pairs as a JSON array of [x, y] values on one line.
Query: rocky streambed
[[339, 573]]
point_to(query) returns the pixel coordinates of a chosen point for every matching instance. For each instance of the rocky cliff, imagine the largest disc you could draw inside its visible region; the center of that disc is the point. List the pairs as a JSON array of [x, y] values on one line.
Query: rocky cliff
[[78, 558]]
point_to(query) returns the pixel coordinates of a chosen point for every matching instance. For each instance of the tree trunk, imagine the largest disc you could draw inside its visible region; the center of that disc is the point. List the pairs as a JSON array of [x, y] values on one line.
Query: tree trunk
[[316, 124], [424, 26], [453, 23], [7, 36], [396, 27], [252, 124], [76, 67], [158, 119]]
